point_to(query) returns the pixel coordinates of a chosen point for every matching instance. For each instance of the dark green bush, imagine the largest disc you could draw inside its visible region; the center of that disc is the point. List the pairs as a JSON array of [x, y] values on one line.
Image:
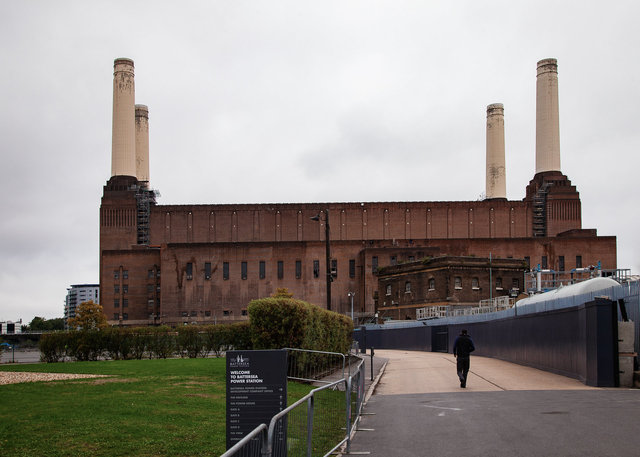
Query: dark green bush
[[279, 322], [53, 347], [216, 338], [190, 341], [240, 336]]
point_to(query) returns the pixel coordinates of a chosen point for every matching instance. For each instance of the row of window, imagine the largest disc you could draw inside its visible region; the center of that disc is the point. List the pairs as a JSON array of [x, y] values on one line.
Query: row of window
[[262, 269], [457, 284], [207, 313], [151, 274]]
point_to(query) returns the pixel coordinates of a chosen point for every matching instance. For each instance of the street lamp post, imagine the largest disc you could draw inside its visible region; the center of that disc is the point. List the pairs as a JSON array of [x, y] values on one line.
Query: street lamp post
[[327, 253], [351, 295]]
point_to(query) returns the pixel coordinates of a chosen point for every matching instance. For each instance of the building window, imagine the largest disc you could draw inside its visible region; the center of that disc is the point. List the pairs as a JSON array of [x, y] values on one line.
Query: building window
[[527, 260], [225, 270], [150, 302], [407, 287], [150, 288], [207, 313], [578, 261], [116, 274], [125, 289], [334, 268], [125, 274], [475, 284], [125, 302], [244, 312], [388, 290], [184, 314], [352, 268], [544, 262], [158, 273], [374, 264], [189, 271], [498, 283], [116, 316], [412, 258], [263, 269], [116, 289], [150, 274], [432, 284], [243, 270], [226, 312], [194, 313], [298, 269], [116, 303], [457, 282], [316, 268], [561, 263], [393, 260], [280, 269], [207, 270], [125, 316], [515, 284]]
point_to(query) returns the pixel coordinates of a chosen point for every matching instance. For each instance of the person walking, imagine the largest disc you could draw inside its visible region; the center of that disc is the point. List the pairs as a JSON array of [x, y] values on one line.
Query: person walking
[[462, 347]]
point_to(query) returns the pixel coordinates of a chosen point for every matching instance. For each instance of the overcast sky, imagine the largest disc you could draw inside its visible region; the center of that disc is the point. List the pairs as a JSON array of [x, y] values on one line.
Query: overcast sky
[[298, 101]]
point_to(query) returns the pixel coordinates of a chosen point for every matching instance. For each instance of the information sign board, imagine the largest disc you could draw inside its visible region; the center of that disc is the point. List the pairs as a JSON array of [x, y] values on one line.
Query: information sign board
[[256, 390]]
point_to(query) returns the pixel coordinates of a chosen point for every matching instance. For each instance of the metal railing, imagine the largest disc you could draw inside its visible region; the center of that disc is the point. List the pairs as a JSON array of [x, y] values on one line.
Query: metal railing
[[320, 422]]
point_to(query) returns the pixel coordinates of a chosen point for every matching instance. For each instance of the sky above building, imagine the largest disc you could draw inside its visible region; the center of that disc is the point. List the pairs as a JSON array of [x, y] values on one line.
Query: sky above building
[[290, 101]]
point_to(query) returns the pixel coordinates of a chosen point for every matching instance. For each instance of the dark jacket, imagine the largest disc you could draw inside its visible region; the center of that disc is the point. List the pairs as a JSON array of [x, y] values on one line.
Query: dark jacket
[[463, 346]]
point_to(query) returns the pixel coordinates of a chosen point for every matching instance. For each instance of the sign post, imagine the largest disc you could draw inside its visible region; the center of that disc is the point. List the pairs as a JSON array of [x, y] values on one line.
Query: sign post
[[256, 390]]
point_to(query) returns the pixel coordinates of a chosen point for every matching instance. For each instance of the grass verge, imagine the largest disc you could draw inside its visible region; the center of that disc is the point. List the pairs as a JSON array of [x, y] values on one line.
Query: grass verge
[[145, 408]]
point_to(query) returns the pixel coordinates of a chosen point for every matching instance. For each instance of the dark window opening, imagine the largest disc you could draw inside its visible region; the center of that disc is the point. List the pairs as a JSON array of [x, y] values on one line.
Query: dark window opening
[[561, 263], [393, 260], [544, 262], [263, 269], [116, 303], [578, 261], [374, 264], [207, 270], [280, 269], [243, 270], [298, 269], [225, 270], [352, 268], [334, 268], [316, 268], [125, 274], [189, 271], [527, 260]]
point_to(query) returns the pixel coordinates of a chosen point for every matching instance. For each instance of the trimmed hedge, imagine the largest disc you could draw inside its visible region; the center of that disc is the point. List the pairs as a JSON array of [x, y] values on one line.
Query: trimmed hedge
[[152, 342], [279, 322]]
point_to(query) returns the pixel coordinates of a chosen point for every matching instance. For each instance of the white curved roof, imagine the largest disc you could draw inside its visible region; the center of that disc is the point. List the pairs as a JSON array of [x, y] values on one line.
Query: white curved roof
[[584, 287]]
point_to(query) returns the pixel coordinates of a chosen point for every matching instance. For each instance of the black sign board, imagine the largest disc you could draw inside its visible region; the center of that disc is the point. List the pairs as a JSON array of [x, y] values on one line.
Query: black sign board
[[256, 390]]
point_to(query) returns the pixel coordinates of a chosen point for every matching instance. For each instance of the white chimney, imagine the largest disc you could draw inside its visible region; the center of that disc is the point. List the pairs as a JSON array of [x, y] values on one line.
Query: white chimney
[[142, 143], [496, 182], [547, 117], [123, 141]]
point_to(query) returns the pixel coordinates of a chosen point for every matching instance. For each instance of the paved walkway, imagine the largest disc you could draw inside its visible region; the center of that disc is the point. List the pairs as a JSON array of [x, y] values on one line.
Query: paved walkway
[[419, 409]]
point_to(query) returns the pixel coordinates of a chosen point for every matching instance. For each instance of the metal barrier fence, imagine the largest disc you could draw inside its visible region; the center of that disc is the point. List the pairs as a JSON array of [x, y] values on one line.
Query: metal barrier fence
[[317, 424]]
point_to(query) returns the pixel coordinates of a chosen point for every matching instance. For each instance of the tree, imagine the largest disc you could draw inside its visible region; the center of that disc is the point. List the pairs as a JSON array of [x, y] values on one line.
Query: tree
[[282, 292], [39, 324], [89, 316]]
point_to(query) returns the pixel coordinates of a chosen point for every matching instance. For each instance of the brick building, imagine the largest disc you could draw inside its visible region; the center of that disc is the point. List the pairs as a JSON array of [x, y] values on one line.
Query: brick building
[[446, 281], [175, 264]]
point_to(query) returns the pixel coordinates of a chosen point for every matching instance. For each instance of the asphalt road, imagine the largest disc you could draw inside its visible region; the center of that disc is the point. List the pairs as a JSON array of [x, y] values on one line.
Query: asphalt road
[[508, 410]]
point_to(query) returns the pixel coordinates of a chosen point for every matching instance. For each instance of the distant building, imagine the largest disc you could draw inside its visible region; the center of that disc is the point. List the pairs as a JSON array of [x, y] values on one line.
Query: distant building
[[446, 281], [79, 293], [10, 327]]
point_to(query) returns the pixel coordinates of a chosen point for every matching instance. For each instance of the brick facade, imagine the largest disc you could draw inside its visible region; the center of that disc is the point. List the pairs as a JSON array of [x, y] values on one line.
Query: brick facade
[[267, 246]]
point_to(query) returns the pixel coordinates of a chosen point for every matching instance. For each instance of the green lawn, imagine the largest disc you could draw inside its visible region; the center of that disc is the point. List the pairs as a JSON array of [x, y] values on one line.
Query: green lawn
[[147, 408]]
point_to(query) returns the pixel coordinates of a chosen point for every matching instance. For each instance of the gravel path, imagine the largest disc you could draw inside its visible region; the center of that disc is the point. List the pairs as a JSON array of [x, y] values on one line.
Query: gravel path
[[13, 377]]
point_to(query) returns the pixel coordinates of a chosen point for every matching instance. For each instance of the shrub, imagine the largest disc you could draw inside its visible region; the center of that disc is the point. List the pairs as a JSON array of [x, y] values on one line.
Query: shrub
[[216, 338], [161, 342], [190, 342], [240, 336], [53, 347]]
